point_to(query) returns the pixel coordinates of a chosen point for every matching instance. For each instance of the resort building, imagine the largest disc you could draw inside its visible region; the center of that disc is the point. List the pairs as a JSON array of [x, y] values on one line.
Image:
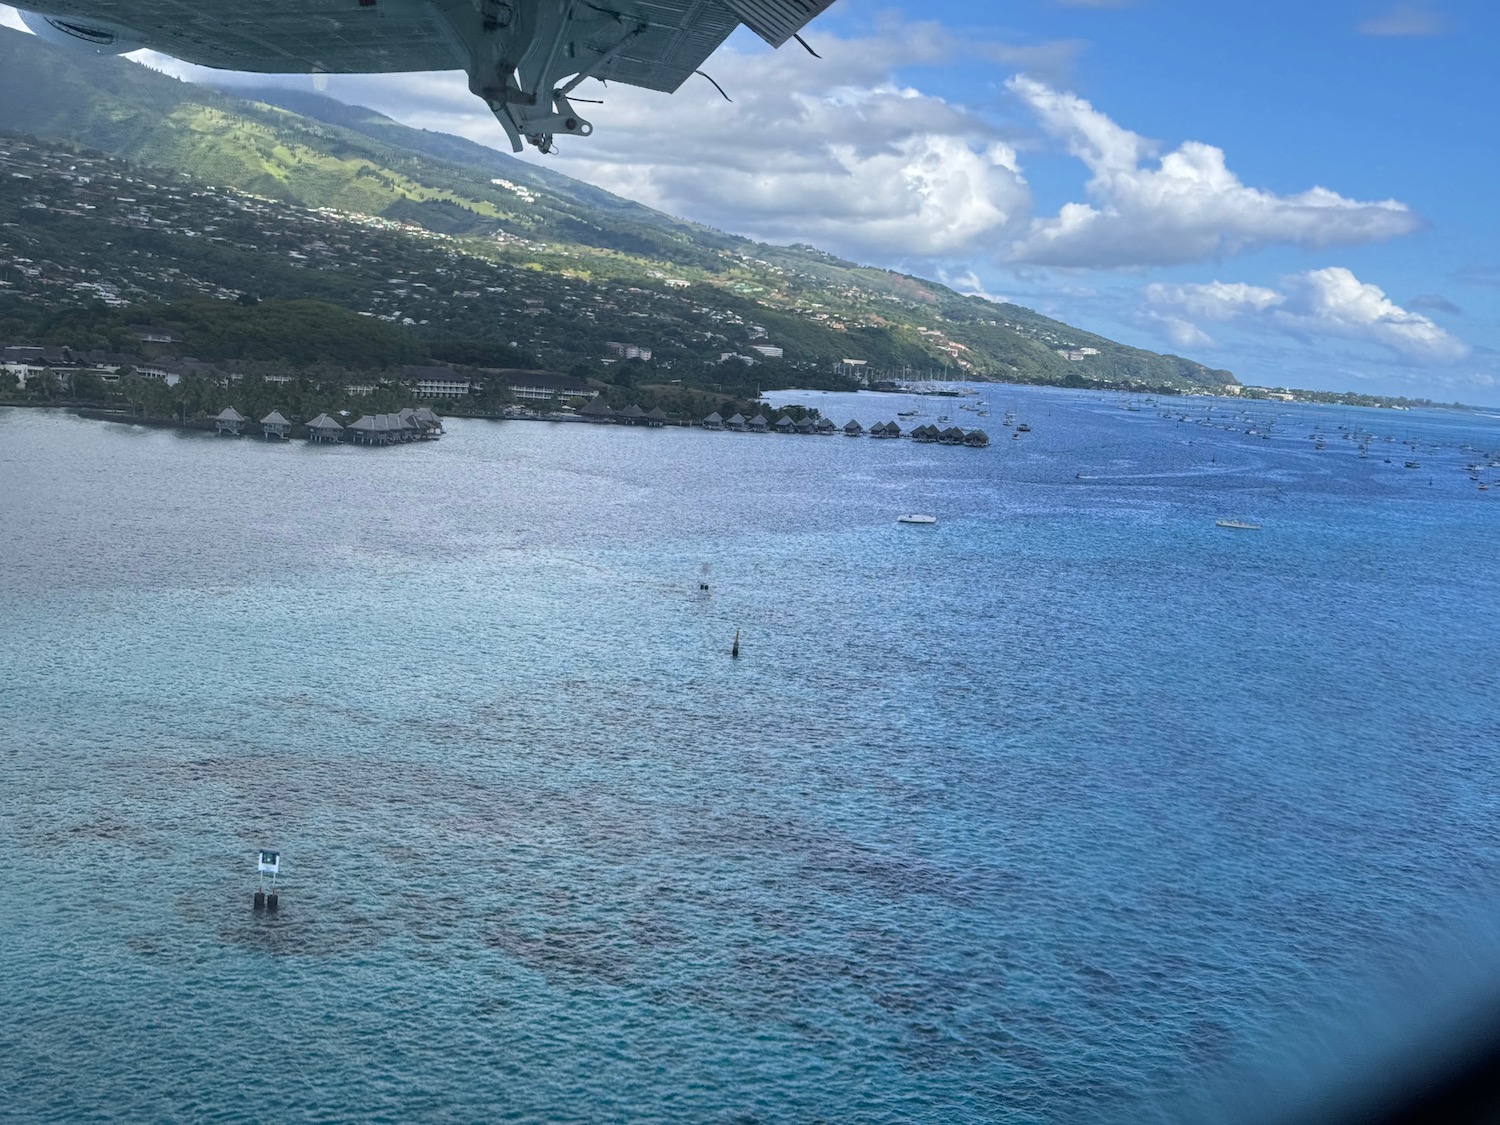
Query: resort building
[[436, 382], [736, 422], [229, 421], [713, 422], [380, 429], [275, 425], [758, 424], [324, 429], [541, 386], [596, 410], [853, 428]]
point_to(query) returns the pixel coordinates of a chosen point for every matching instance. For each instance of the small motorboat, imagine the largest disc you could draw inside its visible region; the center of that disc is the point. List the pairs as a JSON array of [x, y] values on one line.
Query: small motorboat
[[915, 517], [1237, 525]]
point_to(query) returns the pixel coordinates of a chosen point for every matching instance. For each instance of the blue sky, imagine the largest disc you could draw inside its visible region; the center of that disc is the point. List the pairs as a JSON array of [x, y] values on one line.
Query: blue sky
[[1301, 193]]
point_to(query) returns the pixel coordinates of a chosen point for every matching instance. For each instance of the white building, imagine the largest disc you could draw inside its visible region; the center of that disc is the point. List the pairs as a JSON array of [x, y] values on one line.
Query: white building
[[629, 351], [436, 382], [541, 386]]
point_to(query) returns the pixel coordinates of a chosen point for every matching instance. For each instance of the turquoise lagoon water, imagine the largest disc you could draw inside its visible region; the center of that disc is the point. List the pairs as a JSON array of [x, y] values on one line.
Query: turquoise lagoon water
[[1071, 808]]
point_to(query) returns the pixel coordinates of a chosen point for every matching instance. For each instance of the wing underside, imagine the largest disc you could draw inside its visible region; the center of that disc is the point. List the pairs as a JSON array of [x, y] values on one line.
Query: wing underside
[[517, 52]]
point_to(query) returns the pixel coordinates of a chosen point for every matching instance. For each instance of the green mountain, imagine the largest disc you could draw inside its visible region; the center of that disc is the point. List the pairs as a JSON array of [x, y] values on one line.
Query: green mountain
[[482, 258]]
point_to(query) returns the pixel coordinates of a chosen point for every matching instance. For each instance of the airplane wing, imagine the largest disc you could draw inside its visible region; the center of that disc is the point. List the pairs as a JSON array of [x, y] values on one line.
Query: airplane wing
[[523, 57]]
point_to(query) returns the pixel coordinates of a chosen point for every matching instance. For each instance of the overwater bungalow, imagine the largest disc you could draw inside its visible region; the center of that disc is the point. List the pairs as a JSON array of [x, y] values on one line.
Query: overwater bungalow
[[925, 434], [714, 421], [877, 430], [853, 428], [825, 426], [275, 425], [375, 429], [736, 423], [596, 410], [977, 439], [632, 415], [656, 416], [432, 424], [228, 421], [324, 429], [888, 430], [952, 436], [785, 425], [805, 426], [758, 425]]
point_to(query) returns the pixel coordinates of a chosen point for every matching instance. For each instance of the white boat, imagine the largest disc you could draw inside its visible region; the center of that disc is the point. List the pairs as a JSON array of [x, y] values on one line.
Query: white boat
[[915, 517], [1238, 525]]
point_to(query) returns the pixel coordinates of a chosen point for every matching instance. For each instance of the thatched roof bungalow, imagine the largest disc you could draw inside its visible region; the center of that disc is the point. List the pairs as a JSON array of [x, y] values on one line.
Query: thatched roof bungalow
[[925, 434], [977, 439], [376, 429], [736, 422], [805, 426], [952, 436], [324, 428], [785, 425], [275, 425], [825, 426], [714, 421], [656, 416], [853, 428], [596, 410], [228, 421], [758, 424], [632, 415]]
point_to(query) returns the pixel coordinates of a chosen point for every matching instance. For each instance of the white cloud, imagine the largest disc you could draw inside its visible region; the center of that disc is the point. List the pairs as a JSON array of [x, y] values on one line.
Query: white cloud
[[1403, 20], [970, 284], [1217, 300], [1329, 302], [1189, 207], [834, 152]]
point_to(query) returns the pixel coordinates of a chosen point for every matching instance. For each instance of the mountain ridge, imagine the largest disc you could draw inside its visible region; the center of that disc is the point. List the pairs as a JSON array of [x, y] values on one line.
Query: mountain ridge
[[309, 151]]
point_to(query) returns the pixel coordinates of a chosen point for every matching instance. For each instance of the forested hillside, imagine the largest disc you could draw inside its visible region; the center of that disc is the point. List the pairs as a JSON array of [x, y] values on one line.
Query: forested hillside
[[477, 256]]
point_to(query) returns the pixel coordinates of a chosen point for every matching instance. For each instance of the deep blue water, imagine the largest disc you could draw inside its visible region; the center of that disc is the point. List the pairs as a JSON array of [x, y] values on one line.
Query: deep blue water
[[1071, 808]]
